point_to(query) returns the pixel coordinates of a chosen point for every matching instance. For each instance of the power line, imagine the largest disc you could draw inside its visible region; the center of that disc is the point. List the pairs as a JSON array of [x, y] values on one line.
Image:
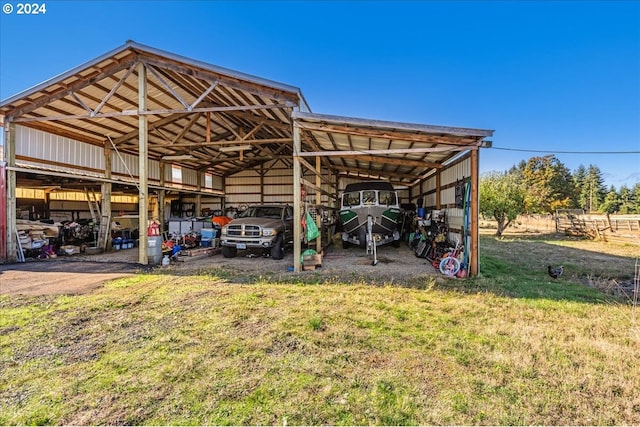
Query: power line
[[564, 152]]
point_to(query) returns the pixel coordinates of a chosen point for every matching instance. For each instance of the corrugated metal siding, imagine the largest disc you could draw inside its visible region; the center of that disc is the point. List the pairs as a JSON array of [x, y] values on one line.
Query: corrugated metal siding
[[456, 172], [118, 167], [448, 178], [53, 148], [189, 177]]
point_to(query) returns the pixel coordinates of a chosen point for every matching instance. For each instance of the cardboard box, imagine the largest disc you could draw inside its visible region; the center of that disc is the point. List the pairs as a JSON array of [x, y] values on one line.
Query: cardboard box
[[310, 262]]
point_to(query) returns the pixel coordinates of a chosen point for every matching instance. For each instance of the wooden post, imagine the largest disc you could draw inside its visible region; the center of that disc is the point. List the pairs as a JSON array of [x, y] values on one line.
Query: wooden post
[[438, 183], [10, 208], [161, 198], [297, 209], [318, 203], [474, 262], [143, 161], [198, 210], [106, 187]]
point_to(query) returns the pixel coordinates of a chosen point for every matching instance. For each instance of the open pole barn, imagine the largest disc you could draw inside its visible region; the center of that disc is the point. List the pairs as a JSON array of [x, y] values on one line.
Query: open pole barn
[[138, 127]]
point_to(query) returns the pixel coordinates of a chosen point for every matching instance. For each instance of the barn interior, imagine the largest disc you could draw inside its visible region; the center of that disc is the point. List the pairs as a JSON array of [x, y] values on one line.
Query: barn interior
[[140, 137]]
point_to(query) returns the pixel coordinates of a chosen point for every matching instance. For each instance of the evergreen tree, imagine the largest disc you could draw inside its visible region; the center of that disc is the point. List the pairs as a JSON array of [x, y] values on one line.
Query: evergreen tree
[[579, 181], [626, 201], [594, 189], [635, 199]]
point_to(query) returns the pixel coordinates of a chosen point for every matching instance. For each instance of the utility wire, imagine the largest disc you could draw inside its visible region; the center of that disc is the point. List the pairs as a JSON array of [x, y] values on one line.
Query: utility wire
[[565, 152]]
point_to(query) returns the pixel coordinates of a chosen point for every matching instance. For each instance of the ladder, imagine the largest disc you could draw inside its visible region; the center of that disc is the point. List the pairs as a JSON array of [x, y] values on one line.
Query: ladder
[[94, 205], [103, 220]]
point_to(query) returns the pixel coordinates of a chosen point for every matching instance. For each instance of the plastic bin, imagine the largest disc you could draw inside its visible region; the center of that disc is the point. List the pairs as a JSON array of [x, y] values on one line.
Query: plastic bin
[[208, 233], [117, 243], [154, 249]]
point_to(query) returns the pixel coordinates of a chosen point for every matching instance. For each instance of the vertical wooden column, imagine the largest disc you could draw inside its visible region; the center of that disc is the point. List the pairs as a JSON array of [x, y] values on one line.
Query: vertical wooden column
[[223, 201], [161, 198], [438, 184], [297, 209], [106, 187], [474, 262], [10, 189], [262, 173], [143, 162], [47, 204], [318, 203], [198, 209]]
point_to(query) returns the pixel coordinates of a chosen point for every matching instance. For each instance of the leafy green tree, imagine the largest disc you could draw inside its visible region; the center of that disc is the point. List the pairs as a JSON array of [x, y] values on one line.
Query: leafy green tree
[[549, 185], [502, 198]]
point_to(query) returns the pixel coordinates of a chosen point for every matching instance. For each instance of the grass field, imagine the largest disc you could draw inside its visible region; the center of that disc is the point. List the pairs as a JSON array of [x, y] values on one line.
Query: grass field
[[510, 347]]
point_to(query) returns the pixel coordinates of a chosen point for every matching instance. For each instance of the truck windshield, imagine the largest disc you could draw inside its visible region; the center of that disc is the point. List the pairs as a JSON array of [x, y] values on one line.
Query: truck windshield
[[262, 212]]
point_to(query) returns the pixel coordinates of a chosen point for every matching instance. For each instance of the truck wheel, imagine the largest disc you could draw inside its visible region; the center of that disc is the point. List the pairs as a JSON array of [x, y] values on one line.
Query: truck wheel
[[229, 252], [345, 244], [277, 250]]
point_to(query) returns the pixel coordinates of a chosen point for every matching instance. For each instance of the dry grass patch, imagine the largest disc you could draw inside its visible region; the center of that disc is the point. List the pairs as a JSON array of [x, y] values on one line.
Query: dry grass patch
[[511, 347]]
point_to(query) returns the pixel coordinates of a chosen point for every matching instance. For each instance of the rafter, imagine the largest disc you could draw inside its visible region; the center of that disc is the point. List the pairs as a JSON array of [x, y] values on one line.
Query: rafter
[[68, 89]]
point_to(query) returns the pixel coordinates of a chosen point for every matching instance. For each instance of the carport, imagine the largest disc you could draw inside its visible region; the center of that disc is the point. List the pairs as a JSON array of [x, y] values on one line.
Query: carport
[[129, 119]]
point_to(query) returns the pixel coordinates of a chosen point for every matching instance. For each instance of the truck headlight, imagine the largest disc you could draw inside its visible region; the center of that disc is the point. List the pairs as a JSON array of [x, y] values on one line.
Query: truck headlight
[[223, 232], [266, 232]]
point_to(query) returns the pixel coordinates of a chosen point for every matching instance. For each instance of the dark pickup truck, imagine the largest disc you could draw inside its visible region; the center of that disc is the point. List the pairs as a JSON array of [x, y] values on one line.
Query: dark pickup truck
[[265, 228]]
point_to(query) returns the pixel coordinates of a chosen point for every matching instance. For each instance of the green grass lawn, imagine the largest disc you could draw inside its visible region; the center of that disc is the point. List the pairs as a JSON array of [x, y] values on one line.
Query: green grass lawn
[[510, 347]]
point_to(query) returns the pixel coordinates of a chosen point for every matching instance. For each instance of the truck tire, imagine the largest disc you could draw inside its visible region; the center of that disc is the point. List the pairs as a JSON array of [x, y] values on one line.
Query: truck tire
[[229, 252], [277, 250]]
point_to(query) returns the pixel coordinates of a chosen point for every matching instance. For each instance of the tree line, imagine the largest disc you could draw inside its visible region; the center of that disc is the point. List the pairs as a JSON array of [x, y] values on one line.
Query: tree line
[[544, 184]]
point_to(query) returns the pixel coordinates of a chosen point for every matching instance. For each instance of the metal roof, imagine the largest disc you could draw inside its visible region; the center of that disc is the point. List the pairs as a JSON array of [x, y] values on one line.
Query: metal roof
[[221, 121], [97, 103], [400, 152]]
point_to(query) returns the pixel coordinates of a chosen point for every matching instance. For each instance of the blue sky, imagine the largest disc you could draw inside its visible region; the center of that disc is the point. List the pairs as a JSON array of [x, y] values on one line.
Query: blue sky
[[549, 76]]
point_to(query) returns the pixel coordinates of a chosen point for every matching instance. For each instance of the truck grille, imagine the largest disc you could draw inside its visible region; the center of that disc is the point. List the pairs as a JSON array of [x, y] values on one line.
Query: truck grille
[[242, 230]]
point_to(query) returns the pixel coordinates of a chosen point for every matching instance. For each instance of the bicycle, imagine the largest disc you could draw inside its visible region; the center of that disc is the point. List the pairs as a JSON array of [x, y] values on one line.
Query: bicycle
[[450, 265]]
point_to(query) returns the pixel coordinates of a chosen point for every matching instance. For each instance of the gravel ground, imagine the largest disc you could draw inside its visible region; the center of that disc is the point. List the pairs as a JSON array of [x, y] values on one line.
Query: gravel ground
[[78, 274]]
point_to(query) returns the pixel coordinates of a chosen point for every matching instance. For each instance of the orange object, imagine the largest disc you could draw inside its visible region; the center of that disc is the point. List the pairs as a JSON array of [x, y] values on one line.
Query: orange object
[[221, 220]]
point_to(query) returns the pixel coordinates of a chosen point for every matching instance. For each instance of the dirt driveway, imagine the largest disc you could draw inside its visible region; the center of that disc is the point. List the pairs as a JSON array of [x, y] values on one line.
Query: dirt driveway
[[80, 274], [60, 277]]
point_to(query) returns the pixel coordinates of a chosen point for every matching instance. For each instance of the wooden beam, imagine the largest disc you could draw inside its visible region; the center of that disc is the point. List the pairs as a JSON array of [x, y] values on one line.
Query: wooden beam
[[339, 153], [374, 172], [224, 80], [474, 262], [400, 162], [397, 135], [151, 112], [236, 141], [10, 190], [317, 170], [297, 202], [77, 85], [185, 129], [143, 165]]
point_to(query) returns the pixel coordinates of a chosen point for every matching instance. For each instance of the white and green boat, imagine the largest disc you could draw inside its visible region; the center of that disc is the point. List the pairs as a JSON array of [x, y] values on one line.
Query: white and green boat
[[369, 214]]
